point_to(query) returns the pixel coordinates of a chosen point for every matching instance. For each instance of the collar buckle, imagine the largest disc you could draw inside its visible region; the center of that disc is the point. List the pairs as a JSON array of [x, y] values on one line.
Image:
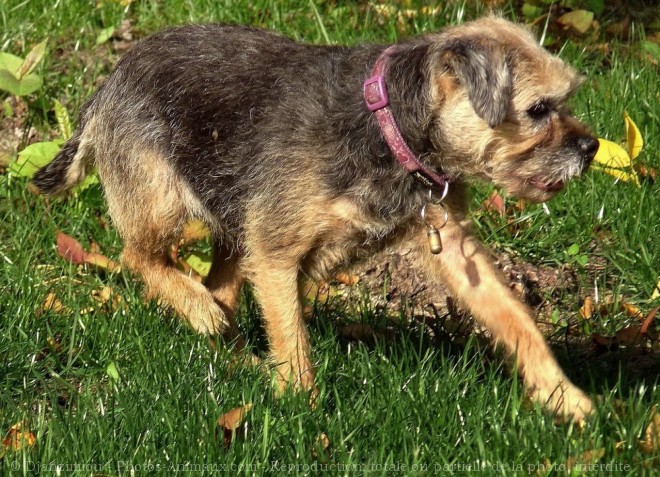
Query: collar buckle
[[375, 93]]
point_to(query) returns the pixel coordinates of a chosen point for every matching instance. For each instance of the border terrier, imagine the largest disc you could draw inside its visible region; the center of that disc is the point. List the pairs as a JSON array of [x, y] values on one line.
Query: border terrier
[[300, 166]]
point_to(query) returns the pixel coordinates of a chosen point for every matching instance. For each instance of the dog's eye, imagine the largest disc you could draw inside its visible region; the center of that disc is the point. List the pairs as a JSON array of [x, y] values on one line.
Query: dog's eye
[[539, 110]]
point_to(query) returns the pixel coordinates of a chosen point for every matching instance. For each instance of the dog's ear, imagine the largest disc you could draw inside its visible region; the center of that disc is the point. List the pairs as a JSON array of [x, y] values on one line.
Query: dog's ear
[[483, 71]]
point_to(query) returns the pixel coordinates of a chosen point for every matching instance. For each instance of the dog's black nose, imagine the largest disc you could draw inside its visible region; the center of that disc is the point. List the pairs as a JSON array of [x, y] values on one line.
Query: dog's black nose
[[588, 145]]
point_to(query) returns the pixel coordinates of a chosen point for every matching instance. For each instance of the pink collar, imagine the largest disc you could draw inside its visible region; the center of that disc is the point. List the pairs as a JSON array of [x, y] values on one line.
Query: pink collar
[[377, 101]]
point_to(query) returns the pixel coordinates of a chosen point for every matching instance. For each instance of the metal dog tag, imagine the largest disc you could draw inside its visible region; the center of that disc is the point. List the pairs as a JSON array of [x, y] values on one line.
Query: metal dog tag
[[435, 242]]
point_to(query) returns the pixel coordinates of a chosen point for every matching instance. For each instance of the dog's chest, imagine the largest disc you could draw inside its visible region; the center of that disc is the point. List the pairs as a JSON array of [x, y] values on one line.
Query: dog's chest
[[347, 235]]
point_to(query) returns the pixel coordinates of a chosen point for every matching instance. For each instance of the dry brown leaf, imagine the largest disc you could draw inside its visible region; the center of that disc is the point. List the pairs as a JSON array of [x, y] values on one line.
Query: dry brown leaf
[[52, 303], [587, 309], [629, 336], [70, 249], [232, 420], [495, 203], [94, 247], [588, 457], [651, 442], [102, 261], [358, 332], [648, 320], [646, 172], [603, 341], [632, 310], [347, 278], [102, 295], [317, 292], [107, 295], [321, 445], [18, 437]]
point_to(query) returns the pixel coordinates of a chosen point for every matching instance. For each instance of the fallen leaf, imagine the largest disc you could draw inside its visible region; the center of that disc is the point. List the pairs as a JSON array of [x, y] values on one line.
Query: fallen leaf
[[610, 154], [651, 442], [634, 140], [629, 336], [621, 29], [18, 438], [588, 457], [347, 279], [587, 309], [199, 262], [656, 291], [646, 172], [232, 420], [94, 247], [52, 303], [102, 261], [579, 20], [70, 249], [631, 310], [107, 296], [619, 174], [188, 270], [646, 324], [495, 203], [321, 446], [603, 341], [357, 332], [194, 231]]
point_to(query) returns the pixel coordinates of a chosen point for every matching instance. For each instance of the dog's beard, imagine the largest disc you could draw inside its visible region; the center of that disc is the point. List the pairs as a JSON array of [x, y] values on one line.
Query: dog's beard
[[539, 178]]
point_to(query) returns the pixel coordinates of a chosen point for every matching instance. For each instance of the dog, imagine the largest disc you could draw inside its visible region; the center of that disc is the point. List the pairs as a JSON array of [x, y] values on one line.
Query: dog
[[302, 159]]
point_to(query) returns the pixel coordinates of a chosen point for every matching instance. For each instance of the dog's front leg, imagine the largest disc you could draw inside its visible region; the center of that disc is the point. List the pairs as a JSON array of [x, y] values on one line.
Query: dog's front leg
[[467, 270]]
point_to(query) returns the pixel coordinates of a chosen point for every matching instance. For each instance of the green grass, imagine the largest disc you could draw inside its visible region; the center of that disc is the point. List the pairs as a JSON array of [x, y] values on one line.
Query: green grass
[[408, 403]]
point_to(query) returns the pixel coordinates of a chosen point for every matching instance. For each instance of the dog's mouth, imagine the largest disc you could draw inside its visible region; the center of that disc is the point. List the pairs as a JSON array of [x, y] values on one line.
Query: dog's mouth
[[547, 185]]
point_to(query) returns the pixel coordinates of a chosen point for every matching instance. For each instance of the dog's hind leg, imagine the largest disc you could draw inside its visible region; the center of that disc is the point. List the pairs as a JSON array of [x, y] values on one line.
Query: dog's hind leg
[[273, 271], [150, 204]]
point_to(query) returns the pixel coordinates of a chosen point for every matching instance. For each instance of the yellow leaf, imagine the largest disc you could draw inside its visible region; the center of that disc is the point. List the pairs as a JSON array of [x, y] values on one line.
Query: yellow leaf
[[656, 292], [194, 231], [634, 138], [619, 174], [610, 154], [18, 438]]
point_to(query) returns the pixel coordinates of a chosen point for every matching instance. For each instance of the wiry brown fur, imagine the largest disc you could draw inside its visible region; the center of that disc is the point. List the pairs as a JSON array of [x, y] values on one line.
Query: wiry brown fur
[[269, 142]]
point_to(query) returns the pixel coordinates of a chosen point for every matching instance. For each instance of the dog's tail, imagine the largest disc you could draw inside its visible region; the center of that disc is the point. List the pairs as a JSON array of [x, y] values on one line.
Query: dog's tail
[[69, 167]]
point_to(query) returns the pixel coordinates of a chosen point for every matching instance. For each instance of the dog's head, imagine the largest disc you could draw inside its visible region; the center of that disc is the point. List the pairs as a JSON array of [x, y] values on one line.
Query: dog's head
[[499, 105]]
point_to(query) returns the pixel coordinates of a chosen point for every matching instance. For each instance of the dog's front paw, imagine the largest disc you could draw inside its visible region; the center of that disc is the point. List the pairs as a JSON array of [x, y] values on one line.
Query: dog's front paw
[[567, 401], [208, 320]]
